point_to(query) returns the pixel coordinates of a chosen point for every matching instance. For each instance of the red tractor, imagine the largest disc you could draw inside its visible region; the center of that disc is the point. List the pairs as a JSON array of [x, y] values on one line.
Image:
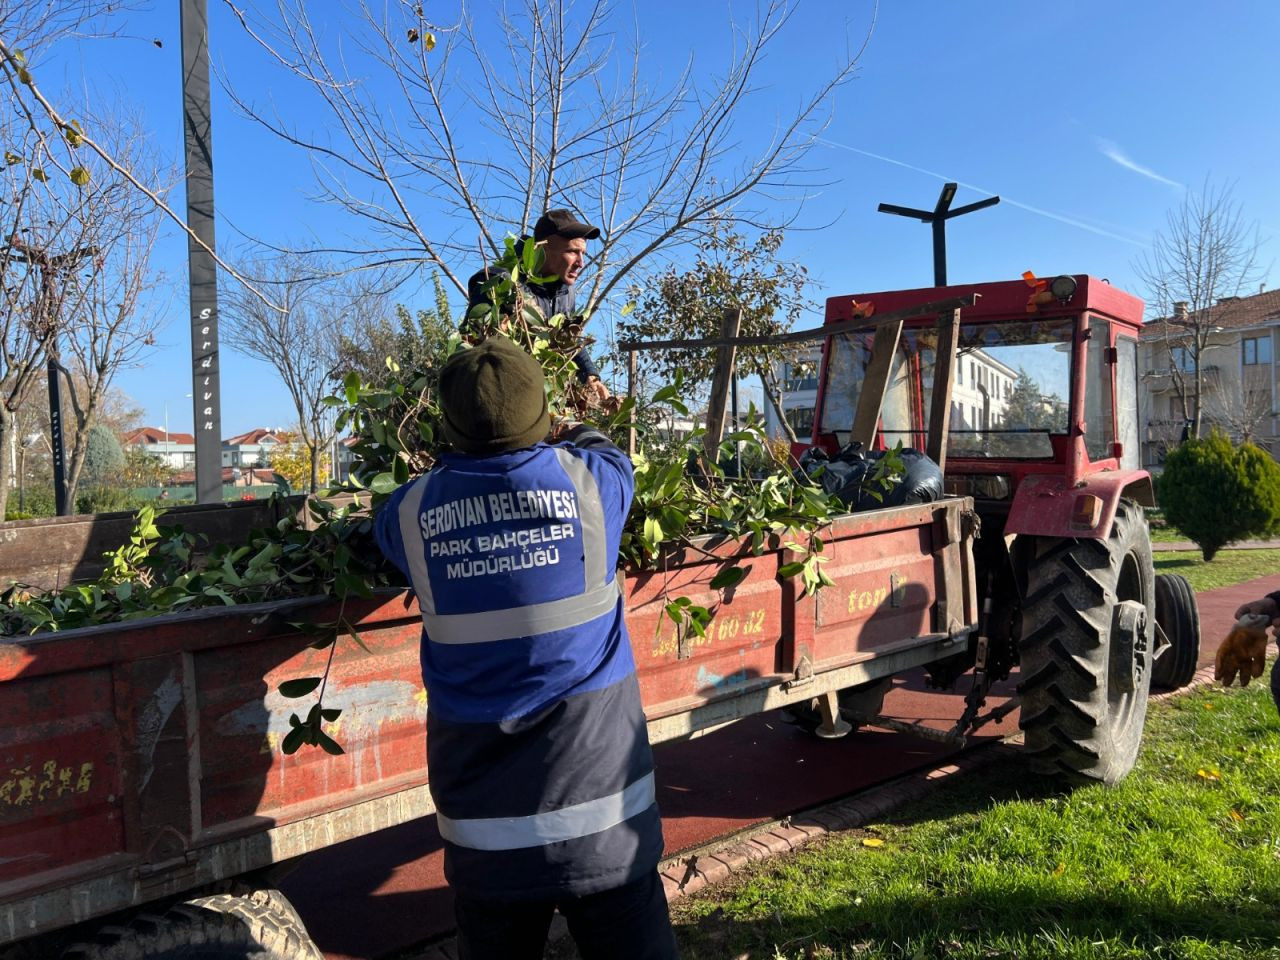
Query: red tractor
[[1042, 430]]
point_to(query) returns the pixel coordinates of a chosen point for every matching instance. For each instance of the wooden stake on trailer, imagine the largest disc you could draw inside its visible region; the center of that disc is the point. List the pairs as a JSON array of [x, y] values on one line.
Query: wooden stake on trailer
[[866, 419], [725, 356], [943, 379]]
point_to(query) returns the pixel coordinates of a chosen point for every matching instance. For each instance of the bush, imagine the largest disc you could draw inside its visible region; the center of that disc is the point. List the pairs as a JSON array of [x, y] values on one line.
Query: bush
[[37, 501], [104, 499], [103, 457], [1216, 494]]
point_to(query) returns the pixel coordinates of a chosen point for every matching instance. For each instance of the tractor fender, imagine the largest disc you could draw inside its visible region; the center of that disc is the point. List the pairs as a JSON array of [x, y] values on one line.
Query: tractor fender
[[1049, 506]]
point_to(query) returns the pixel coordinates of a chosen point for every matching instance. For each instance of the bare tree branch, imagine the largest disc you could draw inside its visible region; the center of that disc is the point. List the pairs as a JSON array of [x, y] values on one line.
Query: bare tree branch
[[303, 340], [554, 114], [1206, 256]]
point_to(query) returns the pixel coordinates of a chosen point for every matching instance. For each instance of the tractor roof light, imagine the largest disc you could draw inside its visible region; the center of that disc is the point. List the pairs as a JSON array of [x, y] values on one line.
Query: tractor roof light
[[1063, 288]]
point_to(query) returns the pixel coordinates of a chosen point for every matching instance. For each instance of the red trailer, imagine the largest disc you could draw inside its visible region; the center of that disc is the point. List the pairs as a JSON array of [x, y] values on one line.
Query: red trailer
[[140, 762]]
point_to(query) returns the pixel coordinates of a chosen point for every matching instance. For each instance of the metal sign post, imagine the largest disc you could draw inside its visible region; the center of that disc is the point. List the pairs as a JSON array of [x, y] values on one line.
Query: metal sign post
[[197, 128], [57, 446]]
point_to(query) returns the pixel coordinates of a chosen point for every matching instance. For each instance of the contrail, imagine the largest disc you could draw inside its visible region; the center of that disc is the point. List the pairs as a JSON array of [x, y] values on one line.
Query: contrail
[[1003, 199], [1112, 152]]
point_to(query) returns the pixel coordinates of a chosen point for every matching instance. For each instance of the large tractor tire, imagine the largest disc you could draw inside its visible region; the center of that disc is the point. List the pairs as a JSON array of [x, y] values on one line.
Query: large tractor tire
[[1087, 639], [1179, 618], [261, 925]]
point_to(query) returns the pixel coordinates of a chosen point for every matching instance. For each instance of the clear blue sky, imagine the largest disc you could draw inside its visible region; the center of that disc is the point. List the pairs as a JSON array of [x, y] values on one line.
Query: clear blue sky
[[1088, 118]]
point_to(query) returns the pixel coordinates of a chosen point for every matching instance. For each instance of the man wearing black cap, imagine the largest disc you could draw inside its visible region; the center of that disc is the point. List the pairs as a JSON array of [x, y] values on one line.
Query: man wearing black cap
[[537, 749], [563, 238]]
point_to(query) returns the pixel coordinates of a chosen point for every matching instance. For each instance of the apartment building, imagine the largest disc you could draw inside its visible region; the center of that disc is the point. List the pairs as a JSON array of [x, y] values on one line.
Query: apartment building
[[1238, 374]]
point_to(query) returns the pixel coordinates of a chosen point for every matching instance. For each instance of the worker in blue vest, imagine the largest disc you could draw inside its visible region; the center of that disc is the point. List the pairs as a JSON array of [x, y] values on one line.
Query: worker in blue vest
[[538, 754]]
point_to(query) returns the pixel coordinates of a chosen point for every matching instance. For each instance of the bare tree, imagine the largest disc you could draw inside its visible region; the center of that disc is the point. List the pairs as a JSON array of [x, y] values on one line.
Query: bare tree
[[75, 267], [1206, 256], [484, 124], [301, 336], [117, 315], [46, 241], [1244, 413], [62, 215]]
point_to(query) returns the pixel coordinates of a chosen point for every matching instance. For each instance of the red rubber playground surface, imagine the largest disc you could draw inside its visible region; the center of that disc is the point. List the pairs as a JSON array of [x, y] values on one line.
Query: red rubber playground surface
[[373, 897]]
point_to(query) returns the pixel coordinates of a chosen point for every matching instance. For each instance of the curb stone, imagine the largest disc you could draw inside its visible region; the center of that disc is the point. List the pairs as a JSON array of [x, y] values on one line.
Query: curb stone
[[791, 833]]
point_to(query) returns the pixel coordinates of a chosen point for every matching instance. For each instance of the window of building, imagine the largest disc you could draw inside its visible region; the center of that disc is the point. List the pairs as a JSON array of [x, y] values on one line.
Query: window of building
[[1181, 359], [801, 420], [1257, 350], [801, 376]]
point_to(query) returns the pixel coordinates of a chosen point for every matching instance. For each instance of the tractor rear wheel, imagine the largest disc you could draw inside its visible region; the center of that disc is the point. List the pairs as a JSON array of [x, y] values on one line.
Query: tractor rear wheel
[[1179, 618], [1087, 629]]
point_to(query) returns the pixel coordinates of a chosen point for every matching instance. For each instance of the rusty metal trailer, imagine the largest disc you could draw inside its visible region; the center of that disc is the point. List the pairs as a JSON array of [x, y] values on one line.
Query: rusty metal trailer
[[140, 761]]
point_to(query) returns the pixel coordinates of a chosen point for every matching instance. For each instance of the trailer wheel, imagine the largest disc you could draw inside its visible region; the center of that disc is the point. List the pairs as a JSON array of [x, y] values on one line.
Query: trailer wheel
[[1086, 651], [1179, 618], [261, 925]]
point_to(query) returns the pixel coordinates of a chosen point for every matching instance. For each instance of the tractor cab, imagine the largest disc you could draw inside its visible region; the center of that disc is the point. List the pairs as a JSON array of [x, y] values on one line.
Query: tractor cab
[[1026, 394], [1042, 422]]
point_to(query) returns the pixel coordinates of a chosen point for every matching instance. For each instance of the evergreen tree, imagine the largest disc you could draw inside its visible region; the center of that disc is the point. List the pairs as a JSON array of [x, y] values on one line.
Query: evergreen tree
[[104, 459], [1215, 494]]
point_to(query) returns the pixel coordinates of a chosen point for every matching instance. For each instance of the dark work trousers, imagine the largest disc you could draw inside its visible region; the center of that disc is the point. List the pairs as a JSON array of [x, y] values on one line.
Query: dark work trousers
[[626, 923]]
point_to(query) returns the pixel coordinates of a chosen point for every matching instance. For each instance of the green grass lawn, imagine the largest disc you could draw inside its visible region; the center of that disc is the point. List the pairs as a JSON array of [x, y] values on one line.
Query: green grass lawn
[[1182, 860], [1228, 567], [1166, 535]]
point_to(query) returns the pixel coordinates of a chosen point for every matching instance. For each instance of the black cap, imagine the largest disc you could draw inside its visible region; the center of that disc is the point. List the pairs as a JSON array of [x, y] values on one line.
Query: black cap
[[562, 223]]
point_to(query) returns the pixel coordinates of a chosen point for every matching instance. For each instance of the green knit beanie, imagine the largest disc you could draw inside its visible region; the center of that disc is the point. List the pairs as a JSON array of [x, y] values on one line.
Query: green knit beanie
[[494, 398]]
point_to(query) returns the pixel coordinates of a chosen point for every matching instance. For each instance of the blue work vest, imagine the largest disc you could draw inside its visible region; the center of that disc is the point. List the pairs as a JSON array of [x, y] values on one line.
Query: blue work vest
[[538, 755]]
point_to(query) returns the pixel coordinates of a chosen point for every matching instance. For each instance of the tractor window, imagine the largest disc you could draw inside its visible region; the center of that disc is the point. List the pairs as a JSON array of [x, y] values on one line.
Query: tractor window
[[846, 371], [1127, 401], [907, 396], [1099, 434], [1019, 394], [1013, 396]]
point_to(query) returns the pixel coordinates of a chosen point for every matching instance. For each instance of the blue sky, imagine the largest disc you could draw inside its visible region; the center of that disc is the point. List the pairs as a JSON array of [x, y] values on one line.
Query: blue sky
[[1089, 119]]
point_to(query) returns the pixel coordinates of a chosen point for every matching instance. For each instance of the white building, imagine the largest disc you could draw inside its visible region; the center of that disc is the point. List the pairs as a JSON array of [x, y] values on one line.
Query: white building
[[176, 450], [981, 392]]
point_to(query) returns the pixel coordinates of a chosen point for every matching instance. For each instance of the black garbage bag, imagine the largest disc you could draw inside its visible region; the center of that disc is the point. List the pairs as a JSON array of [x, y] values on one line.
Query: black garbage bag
[[846, 477]]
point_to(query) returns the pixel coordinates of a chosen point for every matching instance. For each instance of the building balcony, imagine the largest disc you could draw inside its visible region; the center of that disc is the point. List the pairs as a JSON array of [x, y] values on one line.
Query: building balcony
[[1162, 380]]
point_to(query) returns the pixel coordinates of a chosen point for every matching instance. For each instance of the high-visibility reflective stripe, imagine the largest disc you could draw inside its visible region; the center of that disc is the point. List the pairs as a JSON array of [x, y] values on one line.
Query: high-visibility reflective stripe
[[411, 534], [590, 515], [554, 826], [527, 621]]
